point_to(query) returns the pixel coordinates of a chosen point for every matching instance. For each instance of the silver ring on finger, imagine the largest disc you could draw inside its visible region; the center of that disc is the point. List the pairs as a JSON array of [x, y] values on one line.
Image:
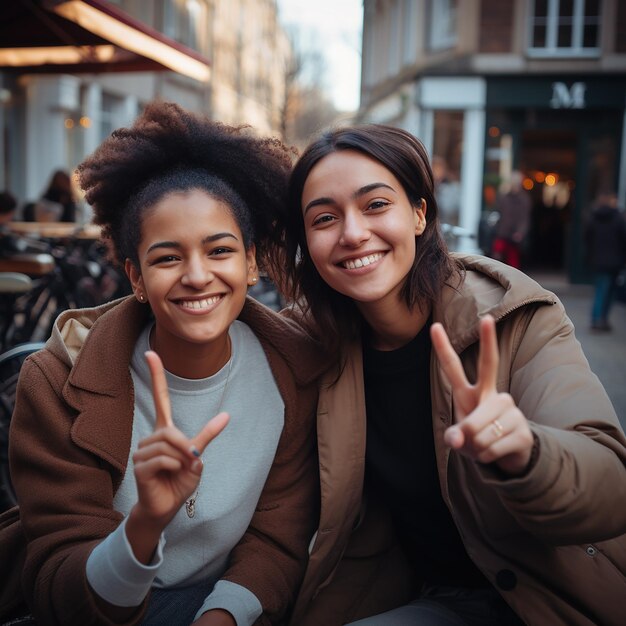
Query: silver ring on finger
[[497, 428]]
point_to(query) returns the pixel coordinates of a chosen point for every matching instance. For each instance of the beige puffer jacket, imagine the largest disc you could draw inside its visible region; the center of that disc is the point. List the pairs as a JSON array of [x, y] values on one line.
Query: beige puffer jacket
[[553, 542]]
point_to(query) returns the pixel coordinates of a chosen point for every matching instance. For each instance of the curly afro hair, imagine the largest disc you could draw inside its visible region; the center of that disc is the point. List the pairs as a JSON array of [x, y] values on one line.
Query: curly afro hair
[[168, 149]]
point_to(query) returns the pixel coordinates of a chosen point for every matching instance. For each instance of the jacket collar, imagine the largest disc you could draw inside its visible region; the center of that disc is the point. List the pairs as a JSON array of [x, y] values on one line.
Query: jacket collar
[[97, 345], [112, 338], [113, 328], [479, 287], [302, 353], [99, 385]]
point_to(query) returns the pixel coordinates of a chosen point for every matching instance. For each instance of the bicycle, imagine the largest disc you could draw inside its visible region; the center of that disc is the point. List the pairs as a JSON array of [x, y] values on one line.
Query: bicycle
[[10, 364], [80, 277], [12, 286]]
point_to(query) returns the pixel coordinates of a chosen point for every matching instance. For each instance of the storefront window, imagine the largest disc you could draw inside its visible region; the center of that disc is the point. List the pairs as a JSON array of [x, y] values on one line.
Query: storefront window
[[73, 140], [446, 162], [565, 28], [110, 108], [498, 162], [185, 21]]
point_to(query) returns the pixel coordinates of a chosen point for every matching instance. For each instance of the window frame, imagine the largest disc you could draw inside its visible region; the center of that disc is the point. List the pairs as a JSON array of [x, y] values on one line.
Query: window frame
[[185, 21], [443, 13], [552, 23]]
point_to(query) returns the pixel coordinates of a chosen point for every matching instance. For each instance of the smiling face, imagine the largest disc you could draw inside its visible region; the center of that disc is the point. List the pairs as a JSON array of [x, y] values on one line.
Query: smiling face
[[360, 228], [194, 271]]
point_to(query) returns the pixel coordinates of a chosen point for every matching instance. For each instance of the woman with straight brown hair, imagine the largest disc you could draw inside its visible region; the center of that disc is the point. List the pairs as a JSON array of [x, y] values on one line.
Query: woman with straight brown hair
[[471, 463]]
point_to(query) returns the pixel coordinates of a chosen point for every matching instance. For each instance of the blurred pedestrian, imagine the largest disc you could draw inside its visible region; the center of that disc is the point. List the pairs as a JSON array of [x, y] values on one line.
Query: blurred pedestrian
[[8, 205], [8, 240], [605, 236], [12, 243], [58, 203], [514, 207]]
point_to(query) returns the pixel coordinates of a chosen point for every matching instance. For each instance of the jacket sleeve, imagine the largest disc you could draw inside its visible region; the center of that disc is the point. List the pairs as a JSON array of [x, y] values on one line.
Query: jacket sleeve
[[271, 557], [569, 495], [65, 496]]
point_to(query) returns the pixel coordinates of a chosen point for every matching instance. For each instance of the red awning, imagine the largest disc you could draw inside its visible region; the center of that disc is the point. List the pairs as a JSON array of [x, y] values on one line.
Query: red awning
[[95, 36]]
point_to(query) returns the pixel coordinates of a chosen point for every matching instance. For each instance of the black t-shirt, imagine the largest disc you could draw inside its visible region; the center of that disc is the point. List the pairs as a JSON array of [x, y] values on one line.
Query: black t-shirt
[[401, 466]]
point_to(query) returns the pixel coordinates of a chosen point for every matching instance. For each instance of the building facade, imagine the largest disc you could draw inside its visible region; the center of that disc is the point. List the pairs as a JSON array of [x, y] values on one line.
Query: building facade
[[250, 55], [52, 120], [493, 86]]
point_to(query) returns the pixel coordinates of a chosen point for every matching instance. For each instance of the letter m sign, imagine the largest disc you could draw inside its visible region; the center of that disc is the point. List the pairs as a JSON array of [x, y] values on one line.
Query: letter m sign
[[568, 98]]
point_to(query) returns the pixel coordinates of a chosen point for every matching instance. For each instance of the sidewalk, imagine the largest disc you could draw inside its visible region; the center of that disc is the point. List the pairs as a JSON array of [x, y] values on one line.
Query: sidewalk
[[606, 352]]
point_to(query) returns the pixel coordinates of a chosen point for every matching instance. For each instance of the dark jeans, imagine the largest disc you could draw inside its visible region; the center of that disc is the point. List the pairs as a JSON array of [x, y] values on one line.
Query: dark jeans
[[449, 606], [166, 607], [604, 283], [175, 607]]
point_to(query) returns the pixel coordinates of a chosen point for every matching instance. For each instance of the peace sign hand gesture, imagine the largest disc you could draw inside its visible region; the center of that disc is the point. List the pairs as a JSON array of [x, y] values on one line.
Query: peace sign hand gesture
[[167, 463], [489, 427]]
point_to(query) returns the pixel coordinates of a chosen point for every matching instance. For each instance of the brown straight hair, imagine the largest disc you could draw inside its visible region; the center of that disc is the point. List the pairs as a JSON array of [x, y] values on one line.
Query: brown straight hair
[[336, 315]]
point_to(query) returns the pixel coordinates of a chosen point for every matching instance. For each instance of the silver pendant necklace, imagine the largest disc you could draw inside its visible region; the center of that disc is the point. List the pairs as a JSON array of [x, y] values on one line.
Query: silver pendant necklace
[[190, 504]]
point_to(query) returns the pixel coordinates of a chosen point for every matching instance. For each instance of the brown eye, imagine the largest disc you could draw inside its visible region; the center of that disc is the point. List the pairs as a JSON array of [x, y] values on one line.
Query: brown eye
[[220, 250], [323, 219], [167, 258], [378, 204]]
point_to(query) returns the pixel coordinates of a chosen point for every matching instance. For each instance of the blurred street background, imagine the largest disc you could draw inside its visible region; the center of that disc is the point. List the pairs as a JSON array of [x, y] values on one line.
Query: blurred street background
[[492, 88], [606, 352]]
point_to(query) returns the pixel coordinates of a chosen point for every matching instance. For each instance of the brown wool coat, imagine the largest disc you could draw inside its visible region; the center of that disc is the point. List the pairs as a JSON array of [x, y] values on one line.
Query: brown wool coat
[[552, 542], [70, 441]]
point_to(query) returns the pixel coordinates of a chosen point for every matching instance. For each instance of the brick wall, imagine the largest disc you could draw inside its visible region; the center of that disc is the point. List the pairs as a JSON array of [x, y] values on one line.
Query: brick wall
[[496, 26]]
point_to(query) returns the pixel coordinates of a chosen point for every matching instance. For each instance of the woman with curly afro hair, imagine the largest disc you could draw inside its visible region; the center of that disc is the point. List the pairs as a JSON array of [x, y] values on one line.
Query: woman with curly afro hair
[[126, 515]]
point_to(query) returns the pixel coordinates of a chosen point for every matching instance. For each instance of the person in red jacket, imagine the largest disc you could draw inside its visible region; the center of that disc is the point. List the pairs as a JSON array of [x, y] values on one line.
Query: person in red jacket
[[515, 208]]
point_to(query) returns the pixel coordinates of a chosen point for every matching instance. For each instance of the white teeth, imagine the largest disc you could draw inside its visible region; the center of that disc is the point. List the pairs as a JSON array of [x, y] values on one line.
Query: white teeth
[[199, 304], [352, 264]]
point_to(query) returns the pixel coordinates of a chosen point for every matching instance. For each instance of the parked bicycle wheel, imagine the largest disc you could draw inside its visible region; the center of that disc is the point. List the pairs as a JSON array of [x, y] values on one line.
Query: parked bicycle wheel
[[10, 364], [12, 286]]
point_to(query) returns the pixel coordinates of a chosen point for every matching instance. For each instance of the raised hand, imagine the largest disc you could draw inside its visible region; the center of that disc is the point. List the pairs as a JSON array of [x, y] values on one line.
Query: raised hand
[[167, 463], [489, 427]]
